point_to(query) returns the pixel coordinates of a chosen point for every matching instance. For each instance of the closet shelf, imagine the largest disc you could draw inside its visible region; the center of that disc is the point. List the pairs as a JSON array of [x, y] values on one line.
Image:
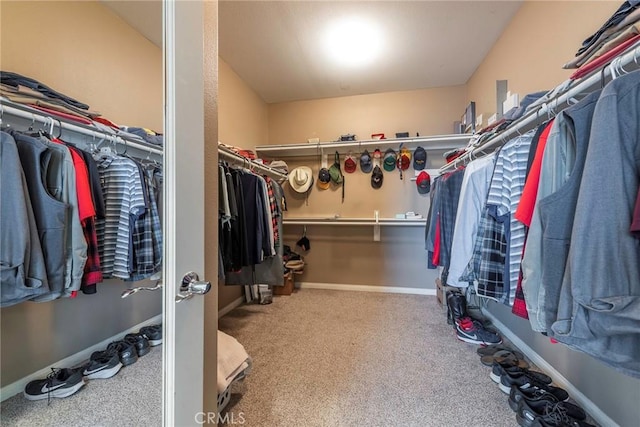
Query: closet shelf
[[10, 109], [232, 157], [418, 222], [550, 108], [429, 143]]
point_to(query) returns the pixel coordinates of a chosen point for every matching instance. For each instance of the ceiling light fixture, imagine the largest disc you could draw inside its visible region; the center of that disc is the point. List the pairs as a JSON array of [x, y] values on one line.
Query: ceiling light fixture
[[353, 42]]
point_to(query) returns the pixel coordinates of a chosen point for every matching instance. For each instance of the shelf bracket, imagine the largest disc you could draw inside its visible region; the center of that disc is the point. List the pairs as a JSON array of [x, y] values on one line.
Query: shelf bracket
[[376, 226]]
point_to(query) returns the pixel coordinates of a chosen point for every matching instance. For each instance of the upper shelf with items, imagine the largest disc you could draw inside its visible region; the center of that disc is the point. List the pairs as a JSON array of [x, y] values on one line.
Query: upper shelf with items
[[429, 143]]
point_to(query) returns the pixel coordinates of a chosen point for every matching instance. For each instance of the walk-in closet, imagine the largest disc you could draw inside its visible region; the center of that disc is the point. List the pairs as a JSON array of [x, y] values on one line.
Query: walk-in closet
[[320, 213]]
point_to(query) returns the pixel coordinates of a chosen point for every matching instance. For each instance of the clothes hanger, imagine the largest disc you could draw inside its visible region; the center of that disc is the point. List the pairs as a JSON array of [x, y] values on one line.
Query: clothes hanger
[[124, 153]]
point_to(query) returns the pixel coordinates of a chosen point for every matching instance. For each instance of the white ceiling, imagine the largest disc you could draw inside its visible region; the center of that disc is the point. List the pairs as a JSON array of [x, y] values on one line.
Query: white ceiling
[[276, 46]]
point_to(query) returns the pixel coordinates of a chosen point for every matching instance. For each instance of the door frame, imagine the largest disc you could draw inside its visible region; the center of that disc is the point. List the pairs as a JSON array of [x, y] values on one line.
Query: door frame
[[190, 328]]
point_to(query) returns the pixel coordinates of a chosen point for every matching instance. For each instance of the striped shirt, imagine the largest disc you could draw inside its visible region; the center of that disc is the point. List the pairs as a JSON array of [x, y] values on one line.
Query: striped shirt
[[504, 195], [124, 199]]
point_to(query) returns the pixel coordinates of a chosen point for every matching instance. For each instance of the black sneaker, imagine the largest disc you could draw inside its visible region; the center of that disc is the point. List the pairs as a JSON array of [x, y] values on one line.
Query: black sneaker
[[499, 368], [102, 364], [126, 351], [59, 383], [140, 342], [523, 378], [543, 413], [153, 334], [473, 332], [549, 392], [530, 395]]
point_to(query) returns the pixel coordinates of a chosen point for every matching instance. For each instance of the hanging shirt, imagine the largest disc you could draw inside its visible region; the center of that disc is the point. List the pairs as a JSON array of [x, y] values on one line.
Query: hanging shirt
[[91, 275], [76, 243], [473, 196], [51, 214], [599, 308], [524, 212], [556, 211], [23, 273], [141, 264], [124, 197], [504, 195], [450, 188]]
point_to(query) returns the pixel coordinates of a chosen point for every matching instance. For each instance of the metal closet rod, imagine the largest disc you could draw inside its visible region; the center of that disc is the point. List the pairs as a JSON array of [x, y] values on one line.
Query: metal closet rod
[[248, 163], [528, 122], [35, 115]]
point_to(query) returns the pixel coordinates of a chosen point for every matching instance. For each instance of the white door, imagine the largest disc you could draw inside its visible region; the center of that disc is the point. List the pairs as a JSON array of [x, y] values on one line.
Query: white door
[[190, 328]]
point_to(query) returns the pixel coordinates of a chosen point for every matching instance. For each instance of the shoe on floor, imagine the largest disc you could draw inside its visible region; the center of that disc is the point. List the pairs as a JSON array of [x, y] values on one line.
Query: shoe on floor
[[126, 352], [517, 393], [500, 368], [557, 414], [532, 394], [473, 332], [153, 334], [523, 379], [140, 342], [102, 365], [491, 350], [59, 383], [505, 356]]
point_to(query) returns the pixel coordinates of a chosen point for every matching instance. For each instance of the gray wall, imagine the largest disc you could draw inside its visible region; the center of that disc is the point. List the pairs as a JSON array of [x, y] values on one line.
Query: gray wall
[[36, 335], [617, 395], [348, 255]]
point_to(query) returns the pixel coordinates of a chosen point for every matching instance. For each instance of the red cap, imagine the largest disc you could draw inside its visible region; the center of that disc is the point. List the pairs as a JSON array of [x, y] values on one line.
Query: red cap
[[349, 165], [423, 181]]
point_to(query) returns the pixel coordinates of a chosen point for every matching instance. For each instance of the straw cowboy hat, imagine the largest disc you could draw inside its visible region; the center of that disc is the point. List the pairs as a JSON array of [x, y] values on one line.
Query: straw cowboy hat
[[301, 179]]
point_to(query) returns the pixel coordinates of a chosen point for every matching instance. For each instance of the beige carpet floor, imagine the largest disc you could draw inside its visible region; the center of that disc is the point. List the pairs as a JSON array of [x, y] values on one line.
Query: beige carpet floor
[[320, 358], [336, 358], [133, 397]]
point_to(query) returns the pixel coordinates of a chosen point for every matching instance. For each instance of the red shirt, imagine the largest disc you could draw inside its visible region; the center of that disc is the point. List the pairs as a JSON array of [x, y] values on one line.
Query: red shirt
[[524, 212], [435, 259], [83, 186]]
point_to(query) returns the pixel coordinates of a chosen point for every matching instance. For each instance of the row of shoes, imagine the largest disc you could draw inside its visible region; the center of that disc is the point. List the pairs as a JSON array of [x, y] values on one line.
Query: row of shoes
[[535, 401], [64, 382], [468, 329]]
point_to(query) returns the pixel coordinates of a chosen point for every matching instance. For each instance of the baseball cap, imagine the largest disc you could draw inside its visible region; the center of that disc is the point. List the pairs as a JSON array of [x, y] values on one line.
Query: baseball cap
[[423, 181], [349, 164], [324, 178], [279, 165], [365, 162], [404, 159], [389, 160], [377, 177], [377, 154], [419, 158]]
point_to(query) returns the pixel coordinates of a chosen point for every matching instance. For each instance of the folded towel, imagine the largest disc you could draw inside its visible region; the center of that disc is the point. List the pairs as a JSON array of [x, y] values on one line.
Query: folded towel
[[232, 360]]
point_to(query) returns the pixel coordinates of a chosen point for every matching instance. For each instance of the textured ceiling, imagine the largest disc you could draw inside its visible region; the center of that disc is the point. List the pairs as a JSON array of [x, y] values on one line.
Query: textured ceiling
[[277, 48]]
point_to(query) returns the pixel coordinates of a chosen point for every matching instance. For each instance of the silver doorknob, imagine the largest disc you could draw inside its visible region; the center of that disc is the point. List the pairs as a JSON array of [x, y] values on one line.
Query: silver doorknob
[[192, 285]]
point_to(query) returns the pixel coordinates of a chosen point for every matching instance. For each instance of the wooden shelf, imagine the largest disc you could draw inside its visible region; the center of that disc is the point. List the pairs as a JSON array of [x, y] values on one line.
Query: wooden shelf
[[429, 143]]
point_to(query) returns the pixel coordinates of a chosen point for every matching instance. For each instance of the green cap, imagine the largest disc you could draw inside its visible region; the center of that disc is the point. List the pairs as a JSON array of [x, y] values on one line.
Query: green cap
[[389, 160]]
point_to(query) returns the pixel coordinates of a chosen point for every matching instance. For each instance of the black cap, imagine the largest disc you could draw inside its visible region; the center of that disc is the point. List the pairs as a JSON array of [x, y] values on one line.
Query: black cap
[[376, 177]]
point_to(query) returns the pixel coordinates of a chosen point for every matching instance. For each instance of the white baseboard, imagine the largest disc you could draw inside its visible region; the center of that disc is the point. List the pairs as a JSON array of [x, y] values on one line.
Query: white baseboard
[[365, 288], [18, 386], [226, 309], [592, 409]]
